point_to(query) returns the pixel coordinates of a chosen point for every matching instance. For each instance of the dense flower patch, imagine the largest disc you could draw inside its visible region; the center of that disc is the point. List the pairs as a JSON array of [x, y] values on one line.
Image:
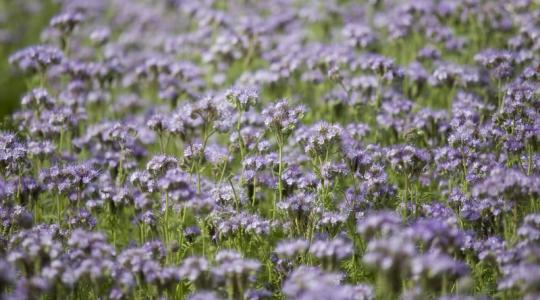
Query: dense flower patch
[[275, 150]]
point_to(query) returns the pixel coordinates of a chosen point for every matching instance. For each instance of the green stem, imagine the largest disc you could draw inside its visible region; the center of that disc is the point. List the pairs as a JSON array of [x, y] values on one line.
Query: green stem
[[58, 208], [166, 225], [240, 138], [161, 148], [280, 183], [198, 179], [222, 172], [236, 200], [405, 192], [529, 159], [254, 196]]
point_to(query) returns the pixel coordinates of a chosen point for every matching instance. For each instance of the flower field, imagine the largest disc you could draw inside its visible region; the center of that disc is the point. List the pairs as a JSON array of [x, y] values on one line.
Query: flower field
[[281, 149]]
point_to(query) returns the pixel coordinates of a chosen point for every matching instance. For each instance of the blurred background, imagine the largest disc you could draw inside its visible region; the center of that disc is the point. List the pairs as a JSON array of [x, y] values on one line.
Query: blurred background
[[21, 22]]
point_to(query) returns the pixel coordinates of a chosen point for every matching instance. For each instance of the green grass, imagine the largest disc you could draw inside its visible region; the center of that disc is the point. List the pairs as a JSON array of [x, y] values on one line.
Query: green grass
[[25, 29]]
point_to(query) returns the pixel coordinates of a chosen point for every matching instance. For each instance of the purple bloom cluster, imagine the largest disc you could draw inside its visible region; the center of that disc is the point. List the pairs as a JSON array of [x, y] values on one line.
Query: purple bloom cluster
[[275, 149]]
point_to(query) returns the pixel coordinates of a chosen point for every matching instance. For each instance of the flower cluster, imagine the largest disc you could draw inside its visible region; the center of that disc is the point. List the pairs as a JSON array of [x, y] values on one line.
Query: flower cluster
[[332, 149]]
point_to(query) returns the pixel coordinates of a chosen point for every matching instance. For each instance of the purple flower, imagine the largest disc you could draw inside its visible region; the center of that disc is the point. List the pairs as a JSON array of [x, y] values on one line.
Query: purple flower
[[38, 99], [391, 256], [100, 36], [177, 185], [436, 267], [160, 164], [196, 270], [291, 248], [308, 279], [380, 223], [510, 184], [36, 58], [66, 22], [234, 270], [319, 139], [408, 159], [299, 206], [358, 35], [437, 235], [530, 229], [331, 252], [282, 118], [242, 98]]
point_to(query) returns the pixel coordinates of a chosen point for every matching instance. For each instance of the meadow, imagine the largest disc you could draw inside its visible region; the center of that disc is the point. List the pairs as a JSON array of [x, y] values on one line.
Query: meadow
[[280, 149]]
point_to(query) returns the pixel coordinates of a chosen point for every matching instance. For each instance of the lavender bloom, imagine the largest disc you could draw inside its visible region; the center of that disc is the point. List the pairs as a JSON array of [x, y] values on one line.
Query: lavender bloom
[[204, 295], [491, 58], [380, 65], [299, 206], [359, 35], [145, 263], [356, 130], [90, 257], [196, 270], [100, 36], [7, 277], [15, 217], [507, 183], [494, 248], [331, 252], [243, 99], [217, 155], [224, 195], [257, 295], [382, 223], [177, 185], [282, 118], [440, 211], [161, 164], [143, 180], [235, 270], [292, 248], [417, 74], [82, 219], [147, 217], [71, 180], [38, 99], [393, 115], [308, 279], [376, 185], [41, 149], [428, 53], [391, 256], [312, 283], [431, 123], [434, 266], [13, 154], [331, 222], [157, 122], [319, 139], [257, 163], [295, 178], [530, 230], [66, 22], [437, 235], [446, 75], [228, 225], [192, 232], [407, 159], [36, 245], [36, 58], [523, 276]]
